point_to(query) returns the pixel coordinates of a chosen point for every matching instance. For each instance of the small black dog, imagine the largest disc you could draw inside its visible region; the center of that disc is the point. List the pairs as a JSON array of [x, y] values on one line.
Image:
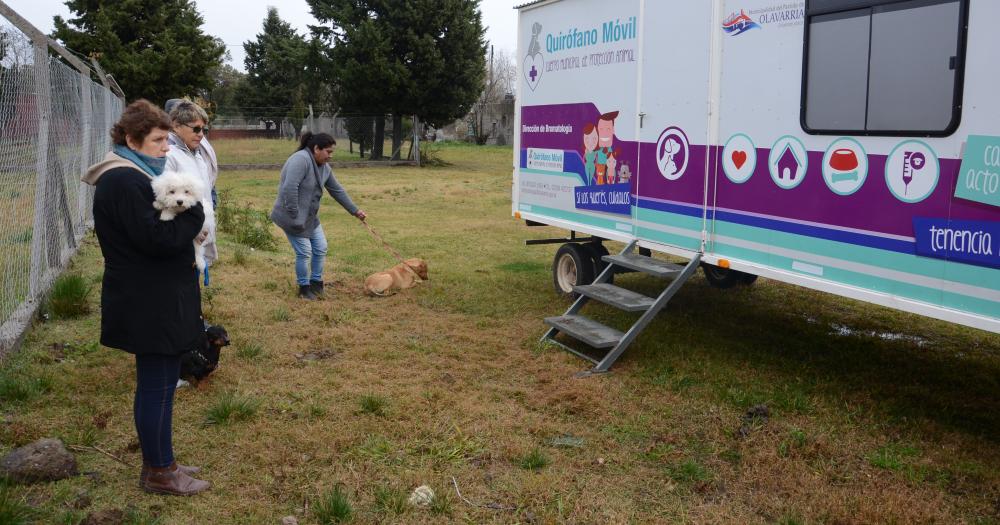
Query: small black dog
[[198, 363]]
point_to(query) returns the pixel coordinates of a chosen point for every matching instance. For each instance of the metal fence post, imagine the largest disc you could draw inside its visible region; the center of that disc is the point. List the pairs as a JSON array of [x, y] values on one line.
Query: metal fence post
[[416, 139], [86, 122], [43, 106]]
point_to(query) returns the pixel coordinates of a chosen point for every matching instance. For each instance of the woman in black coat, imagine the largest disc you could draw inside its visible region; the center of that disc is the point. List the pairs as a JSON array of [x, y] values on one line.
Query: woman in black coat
[[150, 299]]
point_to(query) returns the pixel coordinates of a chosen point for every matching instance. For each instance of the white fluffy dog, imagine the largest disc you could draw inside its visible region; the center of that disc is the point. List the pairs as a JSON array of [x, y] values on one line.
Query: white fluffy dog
[[175, 192]]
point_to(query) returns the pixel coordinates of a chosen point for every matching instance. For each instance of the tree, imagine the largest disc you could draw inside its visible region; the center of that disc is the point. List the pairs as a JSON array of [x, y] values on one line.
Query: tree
[[501, 81], [405, 57], [275, 64], [155, 49], [226, 80]]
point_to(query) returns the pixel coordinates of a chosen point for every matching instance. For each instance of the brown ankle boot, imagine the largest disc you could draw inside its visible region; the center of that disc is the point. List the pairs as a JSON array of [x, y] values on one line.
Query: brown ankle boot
[[172, 480], [189, 470]]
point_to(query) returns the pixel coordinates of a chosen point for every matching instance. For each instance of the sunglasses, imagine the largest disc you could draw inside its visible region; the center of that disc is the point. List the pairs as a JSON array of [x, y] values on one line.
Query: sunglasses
[[196, 129]]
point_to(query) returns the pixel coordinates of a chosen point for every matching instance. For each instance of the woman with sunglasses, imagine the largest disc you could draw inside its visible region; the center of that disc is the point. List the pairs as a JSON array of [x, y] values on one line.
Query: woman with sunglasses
[[189, 123]]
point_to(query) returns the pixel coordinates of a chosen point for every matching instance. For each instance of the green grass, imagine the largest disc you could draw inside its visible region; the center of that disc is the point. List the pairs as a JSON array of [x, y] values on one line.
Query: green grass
[[689, 471], [333, 507], [373, 404], [241, 255], [249, 351], [13, 509], [281, 314], [68, 298], [16, 388], [231, 407], [534, 460], [389, 500]]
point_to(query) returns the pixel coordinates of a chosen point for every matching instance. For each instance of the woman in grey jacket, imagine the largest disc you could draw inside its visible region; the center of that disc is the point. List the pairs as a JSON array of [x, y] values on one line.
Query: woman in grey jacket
[[296, 210]]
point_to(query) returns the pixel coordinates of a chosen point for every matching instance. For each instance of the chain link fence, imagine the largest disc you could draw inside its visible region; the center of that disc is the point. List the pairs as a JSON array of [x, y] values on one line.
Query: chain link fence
[[54, 122]]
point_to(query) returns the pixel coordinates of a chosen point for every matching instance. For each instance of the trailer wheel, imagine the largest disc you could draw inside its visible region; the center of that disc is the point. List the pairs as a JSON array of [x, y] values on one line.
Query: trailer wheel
[[597, 252], [572, 266], [724, 278]]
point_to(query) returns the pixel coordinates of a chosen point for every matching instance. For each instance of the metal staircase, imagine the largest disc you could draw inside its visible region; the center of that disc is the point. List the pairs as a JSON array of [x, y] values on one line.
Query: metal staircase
[[596, 334]]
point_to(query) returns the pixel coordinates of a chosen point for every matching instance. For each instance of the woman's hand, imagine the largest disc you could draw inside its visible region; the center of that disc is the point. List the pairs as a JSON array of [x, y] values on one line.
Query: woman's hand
[[360, 214], [200, 239]]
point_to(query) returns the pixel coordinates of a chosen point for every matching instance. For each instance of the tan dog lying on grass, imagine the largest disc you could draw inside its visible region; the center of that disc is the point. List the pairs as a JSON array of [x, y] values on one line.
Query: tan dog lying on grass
[[404, 275]]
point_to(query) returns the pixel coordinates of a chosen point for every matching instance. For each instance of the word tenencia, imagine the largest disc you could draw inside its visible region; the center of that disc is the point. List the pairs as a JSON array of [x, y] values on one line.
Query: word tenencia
[[610, 32], [961, 241]]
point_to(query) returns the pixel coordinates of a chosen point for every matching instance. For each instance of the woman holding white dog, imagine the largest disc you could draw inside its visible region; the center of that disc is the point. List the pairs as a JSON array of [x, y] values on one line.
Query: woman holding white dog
[[190, 122], [296, 210], [150, 298]]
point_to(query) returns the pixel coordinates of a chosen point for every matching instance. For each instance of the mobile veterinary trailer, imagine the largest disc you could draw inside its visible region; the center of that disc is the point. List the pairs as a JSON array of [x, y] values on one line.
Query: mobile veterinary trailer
[[849, 146]]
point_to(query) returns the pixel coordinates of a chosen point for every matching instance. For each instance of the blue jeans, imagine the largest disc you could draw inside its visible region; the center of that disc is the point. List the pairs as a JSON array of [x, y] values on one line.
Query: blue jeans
[[156, 379], [313, 246]]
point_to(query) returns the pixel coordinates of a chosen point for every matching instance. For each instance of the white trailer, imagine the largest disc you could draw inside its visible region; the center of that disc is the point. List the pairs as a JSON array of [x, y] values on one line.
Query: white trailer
[[848, 146]]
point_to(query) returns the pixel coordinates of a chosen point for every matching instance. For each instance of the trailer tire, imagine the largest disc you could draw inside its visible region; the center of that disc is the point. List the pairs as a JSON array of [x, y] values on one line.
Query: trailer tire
[[572, 266], [725, 278], [597, 252]]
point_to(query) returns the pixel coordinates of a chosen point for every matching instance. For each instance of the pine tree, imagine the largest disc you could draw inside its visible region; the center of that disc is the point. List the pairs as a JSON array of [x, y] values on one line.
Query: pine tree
[[405, 57], [275, 65], [155, 49]]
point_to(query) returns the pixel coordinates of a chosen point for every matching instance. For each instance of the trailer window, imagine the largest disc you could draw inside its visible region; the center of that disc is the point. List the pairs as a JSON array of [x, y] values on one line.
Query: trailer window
[[888, 68]]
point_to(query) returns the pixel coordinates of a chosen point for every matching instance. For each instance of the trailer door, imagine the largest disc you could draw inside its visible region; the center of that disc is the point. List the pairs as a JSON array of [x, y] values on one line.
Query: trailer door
[[674, 109]]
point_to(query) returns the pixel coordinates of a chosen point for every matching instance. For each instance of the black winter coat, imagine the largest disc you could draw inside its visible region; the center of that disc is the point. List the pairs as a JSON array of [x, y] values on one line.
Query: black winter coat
[[150, 299]]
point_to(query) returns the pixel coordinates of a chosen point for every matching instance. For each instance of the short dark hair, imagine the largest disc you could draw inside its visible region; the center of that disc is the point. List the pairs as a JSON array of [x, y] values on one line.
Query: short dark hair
[[320, 140], [138, 119]]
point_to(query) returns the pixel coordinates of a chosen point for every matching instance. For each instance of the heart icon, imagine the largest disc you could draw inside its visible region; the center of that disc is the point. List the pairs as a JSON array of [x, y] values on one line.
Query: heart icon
[[739, 158], [532, 70]]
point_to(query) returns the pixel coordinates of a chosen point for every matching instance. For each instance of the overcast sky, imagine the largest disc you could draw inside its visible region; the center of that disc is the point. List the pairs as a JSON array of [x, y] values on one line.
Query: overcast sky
[[236, 21]]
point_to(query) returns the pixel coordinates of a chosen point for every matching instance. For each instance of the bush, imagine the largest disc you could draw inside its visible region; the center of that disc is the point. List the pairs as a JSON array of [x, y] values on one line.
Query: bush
[[69, 297], [251, 227]]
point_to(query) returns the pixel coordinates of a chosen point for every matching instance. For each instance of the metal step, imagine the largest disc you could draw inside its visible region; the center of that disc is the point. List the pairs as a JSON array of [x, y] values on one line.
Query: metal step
[[641, 263], [587, 330], [618, 297]]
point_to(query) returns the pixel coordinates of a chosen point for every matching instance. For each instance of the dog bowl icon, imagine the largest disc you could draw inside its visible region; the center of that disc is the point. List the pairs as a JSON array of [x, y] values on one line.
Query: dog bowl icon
[[843, 165]]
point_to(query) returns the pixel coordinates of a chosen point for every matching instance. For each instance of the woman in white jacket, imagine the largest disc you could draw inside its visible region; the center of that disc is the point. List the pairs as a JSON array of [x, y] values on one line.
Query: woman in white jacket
[[189, 126]]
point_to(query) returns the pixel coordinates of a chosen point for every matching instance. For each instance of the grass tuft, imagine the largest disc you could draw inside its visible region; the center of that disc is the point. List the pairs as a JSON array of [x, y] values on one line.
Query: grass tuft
[[333, 507], [373, 404], [13, 510], [231, 407], [688, 471], [68, 298], [893, 456], [441, 504], [18, 389], [281, 314], [249, 351], [241, 255], [389, 500], [534, 460]]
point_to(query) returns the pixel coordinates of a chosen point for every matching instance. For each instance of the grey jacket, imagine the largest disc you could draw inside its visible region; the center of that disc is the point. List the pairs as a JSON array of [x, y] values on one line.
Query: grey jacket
[[302, 181]]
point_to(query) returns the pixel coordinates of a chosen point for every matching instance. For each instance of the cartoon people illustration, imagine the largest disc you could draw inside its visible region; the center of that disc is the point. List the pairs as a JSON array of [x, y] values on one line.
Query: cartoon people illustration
[[590, 141], [606, 162]]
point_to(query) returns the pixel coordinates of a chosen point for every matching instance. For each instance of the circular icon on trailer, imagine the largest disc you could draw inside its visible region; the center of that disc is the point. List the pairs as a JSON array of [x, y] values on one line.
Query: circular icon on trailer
[[672, 152], [912, 171], [788, 162], [739, 158], [845, 166]]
